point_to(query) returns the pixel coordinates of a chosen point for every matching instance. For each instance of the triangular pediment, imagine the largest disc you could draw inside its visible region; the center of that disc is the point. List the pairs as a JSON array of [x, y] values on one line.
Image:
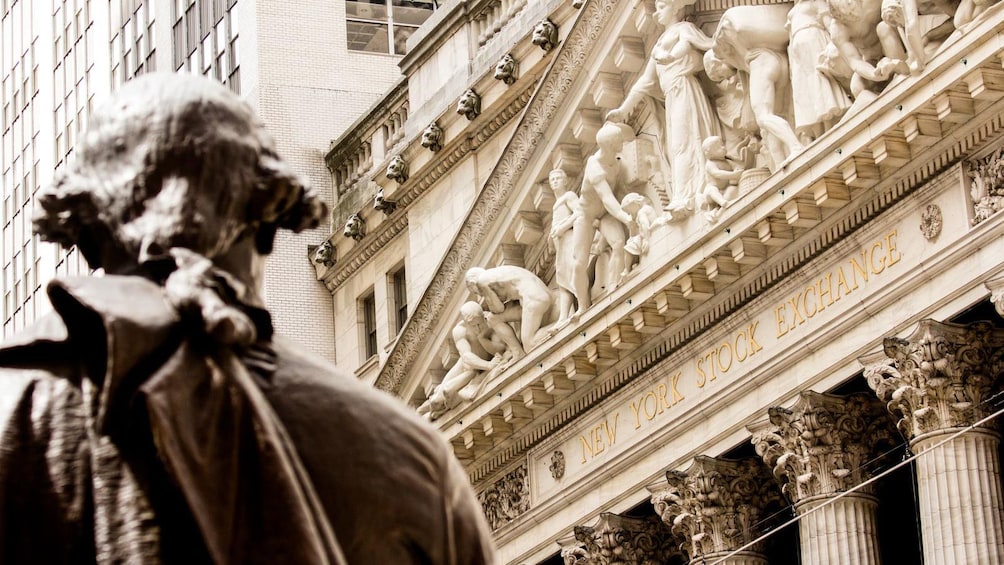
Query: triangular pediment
[[506, 223], [701, 263]]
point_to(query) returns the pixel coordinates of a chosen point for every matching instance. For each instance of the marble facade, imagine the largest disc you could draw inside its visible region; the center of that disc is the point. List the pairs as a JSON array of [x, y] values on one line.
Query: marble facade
[[739, 339]]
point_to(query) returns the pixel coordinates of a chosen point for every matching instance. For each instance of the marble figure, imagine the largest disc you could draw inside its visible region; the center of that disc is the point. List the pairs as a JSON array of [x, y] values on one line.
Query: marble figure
[[513, 295], [482, 353], [563, 216], [671, 78], [753, 40], [601, 212]]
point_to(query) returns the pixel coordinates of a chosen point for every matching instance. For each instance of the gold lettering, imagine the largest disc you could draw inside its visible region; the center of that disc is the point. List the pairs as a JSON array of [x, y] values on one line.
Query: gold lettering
[[805, 297], [842, 282], [893, 253], [611, 433], [663, 390], [598, 439], [828, 294], [751, 335], [676, 393], [797, 319], [655, 405], [586, 446], [871, 263], [782, 327], [634, 408], [722, 367], [745, 349], [702, 378], [857, 268]]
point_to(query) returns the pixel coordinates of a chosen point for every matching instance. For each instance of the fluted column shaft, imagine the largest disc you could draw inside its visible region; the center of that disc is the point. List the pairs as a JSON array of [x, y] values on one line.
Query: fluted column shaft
[[959, 492], [839, 531]]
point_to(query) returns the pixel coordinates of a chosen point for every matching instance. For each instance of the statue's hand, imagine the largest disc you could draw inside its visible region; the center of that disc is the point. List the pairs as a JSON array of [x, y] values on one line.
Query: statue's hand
[[617, 115]]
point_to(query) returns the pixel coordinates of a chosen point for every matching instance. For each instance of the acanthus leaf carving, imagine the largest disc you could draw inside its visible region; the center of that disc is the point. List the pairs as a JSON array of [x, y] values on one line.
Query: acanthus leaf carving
[[820, 445], [506, 499], [716, 505], [940, 377], [620, 540], [986, 185]]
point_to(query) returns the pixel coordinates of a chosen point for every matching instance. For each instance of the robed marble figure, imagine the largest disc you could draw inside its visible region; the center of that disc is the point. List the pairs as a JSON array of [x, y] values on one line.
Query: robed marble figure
[[154, 417]]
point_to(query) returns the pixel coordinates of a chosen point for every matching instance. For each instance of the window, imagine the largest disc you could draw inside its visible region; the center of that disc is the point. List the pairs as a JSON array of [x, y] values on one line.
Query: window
[[384, 26], [367, 311], [399, 294]]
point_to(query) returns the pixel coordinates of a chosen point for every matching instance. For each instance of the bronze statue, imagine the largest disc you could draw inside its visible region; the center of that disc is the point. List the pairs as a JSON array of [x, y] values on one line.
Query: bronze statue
[[155, 418]]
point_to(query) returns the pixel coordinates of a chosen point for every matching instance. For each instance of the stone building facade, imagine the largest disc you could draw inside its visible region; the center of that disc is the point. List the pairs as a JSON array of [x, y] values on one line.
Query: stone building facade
[[756, 316]]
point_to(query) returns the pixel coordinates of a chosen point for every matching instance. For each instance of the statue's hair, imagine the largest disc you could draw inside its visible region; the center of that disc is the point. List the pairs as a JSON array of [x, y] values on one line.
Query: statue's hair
[[163, 131]]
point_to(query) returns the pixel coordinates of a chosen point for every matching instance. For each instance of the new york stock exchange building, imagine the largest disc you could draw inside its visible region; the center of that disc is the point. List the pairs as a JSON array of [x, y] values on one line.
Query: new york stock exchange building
[[712, 282]]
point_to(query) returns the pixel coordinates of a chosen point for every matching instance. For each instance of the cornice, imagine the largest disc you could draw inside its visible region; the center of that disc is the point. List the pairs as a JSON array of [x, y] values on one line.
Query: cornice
[[565, 66], [417, 185]]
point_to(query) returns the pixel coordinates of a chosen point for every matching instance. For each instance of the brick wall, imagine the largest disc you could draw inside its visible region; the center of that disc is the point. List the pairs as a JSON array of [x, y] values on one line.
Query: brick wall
[[308, 88]]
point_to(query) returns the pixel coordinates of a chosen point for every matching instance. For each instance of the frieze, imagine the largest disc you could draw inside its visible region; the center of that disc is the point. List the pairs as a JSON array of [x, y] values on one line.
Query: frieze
[[506, 499]]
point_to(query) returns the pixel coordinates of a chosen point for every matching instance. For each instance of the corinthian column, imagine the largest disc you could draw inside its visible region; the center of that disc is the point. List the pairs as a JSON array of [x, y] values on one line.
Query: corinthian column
[[817, 450], [937, 381], [620, 540], [715, 507]]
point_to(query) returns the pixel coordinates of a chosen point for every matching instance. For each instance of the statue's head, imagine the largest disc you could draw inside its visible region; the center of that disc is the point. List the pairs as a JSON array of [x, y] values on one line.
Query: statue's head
[[472, 313], [471, 279], [613, 136], [173, 161], [557, 179]]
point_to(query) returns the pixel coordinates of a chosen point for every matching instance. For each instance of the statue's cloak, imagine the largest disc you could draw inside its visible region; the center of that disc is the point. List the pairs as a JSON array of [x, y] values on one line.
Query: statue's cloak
[[128, 435]]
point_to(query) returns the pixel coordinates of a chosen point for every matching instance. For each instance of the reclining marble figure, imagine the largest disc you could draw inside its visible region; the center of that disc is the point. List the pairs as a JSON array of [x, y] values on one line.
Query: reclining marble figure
[[482, 353], [154, 417]]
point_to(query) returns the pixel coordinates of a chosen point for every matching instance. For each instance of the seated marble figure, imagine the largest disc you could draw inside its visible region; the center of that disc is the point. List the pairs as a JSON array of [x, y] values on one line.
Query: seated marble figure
[[155, 417]]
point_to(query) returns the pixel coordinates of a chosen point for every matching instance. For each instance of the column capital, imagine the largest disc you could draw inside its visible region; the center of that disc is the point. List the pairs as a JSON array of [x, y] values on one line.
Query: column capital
[[939, 377], [715, 505], [821, 444], [621, 540]]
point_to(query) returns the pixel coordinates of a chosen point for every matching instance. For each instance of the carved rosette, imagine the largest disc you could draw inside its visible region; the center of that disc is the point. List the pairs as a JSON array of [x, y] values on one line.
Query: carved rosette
[[620, 540], [938, 378], [931, 221], [821, 445], [557, 466], [507, 498], [716, 504], [986, 185]]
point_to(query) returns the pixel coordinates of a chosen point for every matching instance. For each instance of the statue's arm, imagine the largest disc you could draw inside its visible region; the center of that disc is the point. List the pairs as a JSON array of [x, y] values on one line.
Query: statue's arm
[[467, 355], [646, 85], [691, 37]]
